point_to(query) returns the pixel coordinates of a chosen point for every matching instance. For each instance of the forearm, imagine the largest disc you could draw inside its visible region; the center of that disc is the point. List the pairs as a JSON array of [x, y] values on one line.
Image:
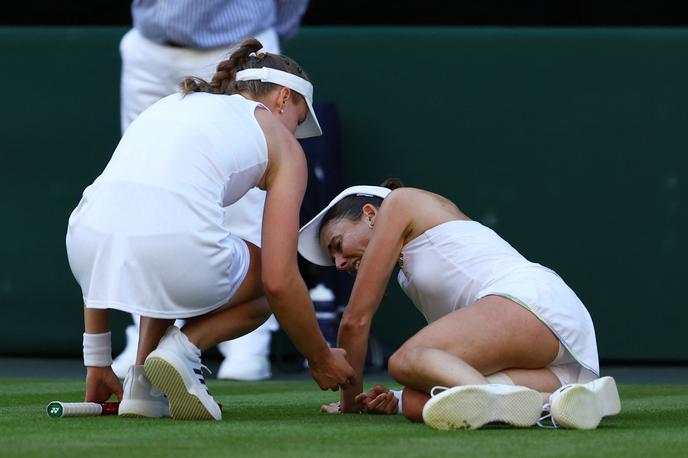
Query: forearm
[[96, 321], [353, 337], [97, 344], [294, 311]]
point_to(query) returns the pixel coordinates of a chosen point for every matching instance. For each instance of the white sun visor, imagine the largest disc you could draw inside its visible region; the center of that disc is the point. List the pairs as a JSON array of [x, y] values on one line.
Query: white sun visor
[[309, 235], [308, 128]]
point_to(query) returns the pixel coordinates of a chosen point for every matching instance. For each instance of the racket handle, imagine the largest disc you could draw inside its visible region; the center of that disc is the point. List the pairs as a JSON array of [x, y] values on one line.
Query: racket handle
[[57, 409]]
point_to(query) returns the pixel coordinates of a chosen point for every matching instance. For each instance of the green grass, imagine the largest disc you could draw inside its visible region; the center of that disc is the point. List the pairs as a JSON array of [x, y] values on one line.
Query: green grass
[[281, 419]]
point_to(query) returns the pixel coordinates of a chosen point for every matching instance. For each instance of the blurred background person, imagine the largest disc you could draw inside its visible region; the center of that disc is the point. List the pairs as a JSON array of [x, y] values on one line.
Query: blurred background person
[[168, 42]]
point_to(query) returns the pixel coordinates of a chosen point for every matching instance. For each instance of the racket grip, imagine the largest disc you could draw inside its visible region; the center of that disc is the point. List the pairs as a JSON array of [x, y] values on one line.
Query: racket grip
[[57, 409]]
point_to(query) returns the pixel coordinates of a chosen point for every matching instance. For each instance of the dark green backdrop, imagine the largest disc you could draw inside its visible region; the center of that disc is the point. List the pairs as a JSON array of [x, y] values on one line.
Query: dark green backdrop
[[571, 143]]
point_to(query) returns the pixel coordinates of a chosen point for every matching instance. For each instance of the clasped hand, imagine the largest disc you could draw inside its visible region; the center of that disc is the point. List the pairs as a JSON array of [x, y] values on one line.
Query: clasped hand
[[378, 401]]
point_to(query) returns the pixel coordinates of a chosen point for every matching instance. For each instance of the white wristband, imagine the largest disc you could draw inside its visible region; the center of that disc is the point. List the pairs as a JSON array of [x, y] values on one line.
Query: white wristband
[[97, 350], [398, 394]]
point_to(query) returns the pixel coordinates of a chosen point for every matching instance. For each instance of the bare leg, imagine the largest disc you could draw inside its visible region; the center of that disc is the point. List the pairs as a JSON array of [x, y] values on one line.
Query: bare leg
[[542, 380], [413, 402], [488, 336], [150, 332], [227, 324], [422, 368]]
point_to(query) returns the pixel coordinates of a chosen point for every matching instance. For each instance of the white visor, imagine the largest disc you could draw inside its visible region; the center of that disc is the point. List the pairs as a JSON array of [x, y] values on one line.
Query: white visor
[[309, 127], [309, 235]]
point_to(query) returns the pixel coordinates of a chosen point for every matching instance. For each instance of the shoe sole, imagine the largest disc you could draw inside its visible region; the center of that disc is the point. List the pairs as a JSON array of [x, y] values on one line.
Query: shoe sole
[[472, 406], [608, 395], [183, 405], [576, 408], [141, 409], [584, 406]]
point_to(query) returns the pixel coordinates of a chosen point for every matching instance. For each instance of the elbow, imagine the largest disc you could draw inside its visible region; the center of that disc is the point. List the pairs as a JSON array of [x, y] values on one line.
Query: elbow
[[276, 286], [354, 324]]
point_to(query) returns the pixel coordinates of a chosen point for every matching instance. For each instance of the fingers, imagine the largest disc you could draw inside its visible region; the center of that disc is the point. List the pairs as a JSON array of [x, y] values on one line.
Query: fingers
[[347, 382], [378, 403], [384, 403], [378, 389], [327, 385]]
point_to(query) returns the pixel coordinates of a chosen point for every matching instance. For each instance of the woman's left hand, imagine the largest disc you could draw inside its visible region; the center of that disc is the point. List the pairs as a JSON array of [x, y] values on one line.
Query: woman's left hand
[[101, 383]]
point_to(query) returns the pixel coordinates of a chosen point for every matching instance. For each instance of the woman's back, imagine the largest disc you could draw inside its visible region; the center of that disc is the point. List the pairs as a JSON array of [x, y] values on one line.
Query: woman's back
[[205, 146]]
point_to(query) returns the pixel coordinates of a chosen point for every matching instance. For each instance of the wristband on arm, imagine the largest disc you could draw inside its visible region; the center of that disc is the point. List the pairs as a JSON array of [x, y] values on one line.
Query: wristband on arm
[[97, 349], [398, 394]]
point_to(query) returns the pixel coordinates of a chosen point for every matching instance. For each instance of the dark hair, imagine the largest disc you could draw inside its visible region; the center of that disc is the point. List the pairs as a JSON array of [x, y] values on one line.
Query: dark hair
[[351, 207], [224, 80]]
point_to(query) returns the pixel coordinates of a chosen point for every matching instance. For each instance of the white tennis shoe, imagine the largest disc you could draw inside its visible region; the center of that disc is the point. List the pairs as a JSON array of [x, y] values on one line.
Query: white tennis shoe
[[140, 398], [175, 369], [126, 359], [582, 406], [472, 406]]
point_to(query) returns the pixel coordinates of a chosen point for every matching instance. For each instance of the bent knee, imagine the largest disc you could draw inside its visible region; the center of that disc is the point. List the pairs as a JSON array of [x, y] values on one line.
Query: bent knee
[[404, 362]]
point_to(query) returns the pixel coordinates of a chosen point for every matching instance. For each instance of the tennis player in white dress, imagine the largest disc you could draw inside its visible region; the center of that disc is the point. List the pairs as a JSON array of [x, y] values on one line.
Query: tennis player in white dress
[[502, 331], [148, 235]]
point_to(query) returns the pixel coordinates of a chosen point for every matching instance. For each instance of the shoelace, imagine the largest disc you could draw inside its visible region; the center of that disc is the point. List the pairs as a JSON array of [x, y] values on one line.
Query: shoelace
[[437, 390], [547, 407], [199, 371], [547, 416]]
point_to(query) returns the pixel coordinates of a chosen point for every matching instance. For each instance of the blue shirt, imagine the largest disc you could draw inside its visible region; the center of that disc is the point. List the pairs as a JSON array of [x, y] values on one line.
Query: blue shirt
[[204, 24]]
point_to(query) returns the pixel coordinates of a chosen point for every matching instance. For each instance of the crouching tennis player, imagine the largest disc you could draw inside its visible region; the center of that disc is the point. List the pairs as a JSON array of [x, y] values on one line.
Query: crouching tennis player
[[148, 235]]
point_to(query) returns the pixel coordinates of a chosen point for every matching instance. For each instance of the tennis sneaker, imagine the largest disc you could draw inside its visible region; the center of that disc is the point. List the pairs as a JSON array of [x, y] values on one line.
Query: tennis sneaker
[[472, 406], [126, 359], [582, 406], [140, 398], [175, 369]]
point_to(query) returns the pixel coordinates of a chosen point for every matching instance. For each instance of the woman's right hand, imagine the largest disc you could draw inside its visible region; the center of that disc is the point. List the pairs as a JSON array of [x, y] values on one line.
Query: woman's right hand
[[101, 383], [332, 371], [379, 401]]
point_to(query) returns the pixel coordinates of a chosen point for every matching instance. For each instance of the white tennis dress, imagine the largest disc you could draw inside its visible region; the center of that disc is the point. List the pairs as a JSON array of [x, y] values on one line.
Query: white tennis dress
[[457, 263], [148, 235]]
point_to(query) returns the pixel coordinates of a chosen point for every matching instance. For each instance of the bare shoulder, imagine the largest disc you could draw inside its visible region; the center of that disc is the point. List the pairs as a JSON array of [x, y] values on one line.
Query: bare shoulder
[[408, 198], [399, 209], [421, 209], [279, 140]]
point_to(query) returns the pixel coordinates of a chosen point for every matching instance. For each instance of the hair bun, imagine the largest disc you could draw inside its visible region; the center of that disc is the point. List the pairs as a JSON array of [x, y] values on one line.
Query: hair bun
[[392, 183]]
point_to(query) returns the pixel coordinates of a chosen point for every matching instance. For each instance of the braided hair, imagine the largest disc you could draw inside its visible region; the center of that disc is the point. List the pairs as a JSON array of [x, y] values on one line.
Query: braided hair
[[224, 80]]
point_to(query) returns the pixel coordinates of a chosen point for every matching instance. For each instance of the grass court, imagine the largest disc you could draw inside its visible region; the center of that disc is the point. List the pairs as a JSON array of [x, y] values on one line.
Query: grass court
[[280, 419]]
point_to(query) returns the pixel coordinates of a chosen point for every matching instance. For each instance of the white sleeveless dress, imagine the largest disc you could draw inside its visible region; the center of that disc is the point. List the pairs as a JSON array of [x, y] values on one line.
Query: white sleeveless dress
[[459, 262], [148, 235]]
